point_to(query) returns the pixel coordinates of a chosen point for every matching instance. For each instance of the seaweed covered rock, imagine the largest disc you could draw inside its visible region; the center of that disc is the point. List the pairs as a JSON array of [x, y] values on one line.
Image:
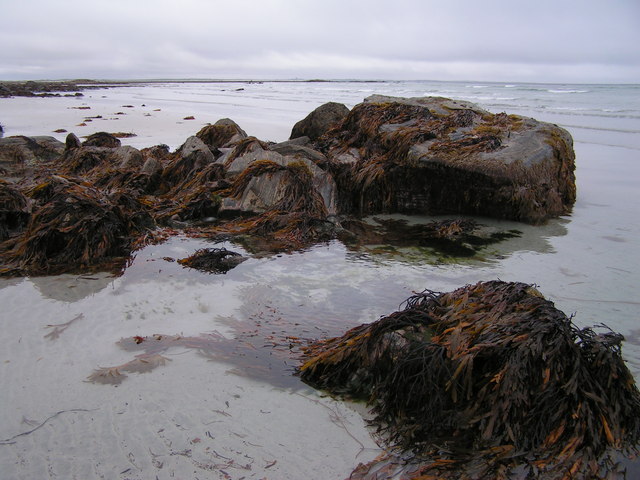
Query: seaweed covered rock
[[97, 161], [484, 382], [261, 178], [74, 226], [102, 139], [435, 155], [191, 157], [290, 211], [19, 154], [387, 155], [224, 133], [213, 260]]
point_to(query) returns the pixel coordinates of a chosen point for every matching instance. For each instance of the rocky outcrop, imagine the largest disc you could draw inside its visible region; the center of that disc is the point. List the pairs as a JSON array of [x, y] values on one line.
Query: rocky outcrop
[[422, 155], [437, 156], [320, 121], [40, 89]]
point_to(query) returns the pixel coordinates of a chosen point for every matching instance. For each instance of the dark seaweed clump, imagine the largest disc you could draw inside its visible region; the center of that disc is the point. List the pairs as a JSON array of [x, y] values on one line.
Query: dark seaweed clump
[[213, 260], [485, 382]]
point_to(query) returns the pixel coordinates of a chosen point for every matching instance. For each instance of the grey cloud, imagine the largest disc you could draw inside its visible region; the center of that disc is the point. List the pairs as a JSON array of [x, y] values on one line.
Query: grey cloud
[[343, 38]]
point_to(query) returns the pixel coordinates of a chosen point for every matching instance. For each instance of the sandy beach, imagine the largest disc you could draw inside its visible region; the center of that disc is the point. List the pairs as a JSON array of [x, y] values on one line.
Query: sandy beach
[[189, 418], [227, 405]]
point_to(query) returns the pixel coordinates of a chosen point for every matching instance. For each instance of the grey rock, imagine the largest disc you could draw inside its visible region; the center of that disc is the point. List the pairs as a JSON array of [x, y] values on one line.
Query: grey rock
[[197, 150], [151, 166], [72, 141], [304, 141], [239, 164], [320, 121], [292, 149], [127, 157]]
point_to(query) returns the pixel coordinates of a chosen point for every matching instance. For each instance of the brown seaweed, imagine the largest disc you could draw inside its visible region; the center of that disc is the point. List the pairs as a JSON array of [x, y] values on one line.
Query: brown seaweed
[[73, 225], [140, 364], [15, 210], [213, 260], [485, 381]]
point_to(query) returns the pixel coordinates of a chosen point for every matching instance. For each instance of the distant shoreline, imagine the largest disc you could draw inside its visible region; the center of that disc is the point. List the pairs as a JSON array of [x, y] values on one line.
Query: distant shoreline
[[75, 87], [55, 88]]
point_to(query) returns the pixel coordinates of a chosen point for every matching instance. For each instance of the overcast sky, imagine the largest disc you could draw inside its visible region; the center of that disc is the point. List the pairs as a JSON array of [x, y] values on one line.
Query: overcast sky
[[492, 40]]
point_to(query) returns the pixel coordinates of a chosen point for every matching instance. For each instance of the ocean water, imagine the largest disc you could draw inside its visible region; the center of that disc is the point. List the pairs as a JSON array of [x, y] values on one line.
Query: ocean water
[[586, 262]]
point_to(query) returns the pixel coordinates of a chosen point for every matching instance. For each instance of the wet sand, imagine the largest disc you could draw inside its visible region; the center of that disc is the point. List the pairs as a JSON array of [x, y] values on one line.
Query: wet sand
[[197, 416]]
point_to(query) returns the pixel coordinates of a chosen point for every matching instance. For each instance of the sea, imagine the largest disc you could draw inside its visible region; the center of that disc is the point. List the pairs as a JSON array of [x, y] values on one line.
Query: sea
[[165, 420]]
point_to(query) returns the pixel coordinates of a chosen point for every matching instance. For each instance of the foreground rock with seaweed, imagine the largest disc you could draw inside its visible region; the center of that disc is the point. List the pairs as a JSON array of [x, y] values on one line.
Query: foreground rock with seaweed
[[487, 381], [89, 204]]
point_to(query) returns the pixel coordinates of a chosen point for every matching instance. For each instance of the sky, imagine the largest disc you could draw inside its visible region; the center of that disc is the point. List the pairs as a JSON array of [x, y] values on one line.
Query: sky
[[570, 41]]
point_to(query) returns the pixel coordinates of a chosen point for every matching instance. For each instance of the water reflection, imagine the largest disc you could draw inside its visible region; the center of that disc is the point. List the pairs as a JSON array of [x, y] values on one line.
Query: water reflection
[[491, 241], [71, 288]]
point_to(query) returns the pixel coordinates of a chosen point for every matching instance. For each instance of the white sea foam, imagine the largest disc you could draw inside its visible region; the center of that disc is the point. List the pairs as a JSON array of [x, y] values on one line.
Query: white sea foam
[[567, 91]]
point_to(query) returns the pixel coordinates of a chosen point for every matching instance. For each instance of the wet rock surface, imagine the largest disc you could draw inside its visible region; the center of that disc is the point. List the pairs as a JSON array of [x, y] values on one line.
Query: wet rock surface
[[440, 156], [425, 156], [487, 381]]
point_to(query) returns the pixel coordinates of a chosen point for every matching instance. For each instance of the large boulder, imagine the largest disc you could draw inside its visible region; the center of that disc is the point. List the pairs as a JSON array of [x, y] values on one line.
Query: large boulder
[[19, 154], [434, 155], [320, 121]]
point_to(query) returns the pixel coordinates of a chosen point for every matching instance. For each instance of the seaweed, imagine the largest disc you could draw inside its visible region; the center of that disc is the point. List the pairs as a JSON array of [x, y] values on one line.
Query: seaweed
[[392, 156], [74, 225], [15, 210], [485, 380], [213, 260], [298, 217], [142, 363]]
